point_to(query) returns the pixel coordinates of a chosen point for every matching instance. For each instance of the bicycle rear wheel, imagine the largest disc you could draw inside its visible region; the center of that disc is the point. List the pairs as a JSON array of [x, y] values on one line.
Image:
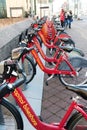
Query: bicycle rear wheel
[[10, 118], [80, 79], [77, 122]]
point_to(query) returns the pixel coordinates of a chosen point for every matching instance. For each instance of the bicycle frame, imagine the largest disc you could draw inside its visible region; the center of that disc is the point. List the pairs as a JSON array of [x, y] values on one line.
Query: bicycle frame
[[45, 31], [48, 59], [54, 38], [33, 118], [54, 70], [52, 43]]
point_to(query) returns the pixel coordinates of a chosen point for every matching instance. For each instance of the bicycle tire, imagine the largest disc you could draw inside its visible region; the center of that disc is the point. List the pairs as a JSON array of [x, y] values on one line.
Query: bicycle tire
[[75, 52], [77, 121], [29, 67], [80, 79], [10, 118]]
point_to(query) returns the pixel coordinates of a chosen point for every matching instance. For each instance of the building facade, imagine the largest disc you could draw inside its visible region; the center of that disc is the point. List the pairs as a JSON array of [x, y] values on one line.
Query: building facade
[[44, 8], [19, 8]]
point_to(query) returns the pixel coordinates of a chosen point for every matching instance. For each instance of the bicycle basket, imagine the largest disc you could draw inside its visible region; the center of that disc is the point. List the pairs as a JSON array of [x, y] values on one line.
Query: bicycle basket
[[16, 53]]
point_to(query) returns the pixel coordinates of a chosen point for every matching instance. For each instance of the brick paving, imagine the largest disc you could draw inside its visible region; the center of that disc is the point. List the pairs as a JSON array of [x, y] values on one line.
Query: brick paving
[[56, 98]]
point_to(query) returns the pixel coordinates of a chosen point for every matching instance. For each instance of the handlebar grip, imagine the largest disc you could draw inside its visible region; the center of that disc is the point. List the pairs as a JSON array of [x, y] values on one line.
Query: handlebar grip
[[4, 90], [7, 88]]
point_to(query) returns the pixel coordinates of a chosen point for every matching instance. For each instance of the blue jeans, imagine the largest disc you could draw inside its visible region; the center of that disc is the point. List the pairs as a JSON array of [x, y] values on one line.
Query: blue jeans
[[66, 23], [69, 22]]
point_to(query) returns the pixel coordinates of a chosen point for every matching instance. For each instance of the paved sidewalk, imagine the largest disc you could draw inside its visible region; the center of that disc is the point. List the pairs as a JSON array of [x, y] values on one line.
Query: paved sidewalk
[[56, 98]]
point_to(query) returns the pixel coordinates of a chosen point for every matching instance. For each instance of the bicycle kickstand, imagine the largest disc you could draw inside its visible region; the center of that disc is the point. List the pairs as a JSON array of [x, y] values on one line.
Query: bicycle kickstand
[[49, 79]]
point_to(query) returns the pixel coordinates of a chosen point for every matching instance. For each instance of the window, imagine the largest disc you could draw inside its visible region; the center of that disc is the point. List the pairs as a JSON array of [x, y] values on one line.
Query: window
[[3, 8]]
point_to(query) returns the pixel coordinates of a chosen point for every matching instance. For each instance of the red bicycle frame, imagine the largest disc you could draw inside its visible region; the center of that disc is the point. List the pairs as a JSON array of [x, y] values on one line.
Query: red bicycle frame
[[51, 44], [50, 34], [45, 31], [48, 59], [54, 70], [33, 118]]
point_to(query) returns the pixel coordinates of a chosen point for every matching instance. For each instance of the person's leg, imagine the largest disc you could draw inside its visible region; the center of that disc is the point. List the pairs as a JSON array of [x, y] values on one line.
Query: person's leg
[[66, 23], [70, 25], [61, 23], [69, 22]]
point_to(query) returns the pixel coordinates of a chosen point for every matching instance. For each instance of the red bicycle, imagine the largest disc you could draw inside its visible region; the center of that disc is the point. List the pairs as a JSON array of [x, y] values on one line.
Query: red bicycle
[[69, 50], [70, 71], [43, 37], [70, 121], [51, 35]]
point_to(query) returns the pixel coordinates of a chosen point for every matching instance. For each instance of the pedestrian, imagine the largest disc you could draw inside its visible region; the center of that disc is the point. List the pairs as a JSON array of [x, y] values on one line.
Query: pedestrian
[[62, 17], [66, 19], [70, 19]]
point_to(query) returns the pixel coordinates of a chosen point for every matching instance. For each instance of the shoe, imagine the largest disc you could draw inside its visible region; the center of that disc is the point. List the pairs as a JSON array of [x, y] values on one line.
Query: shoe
[[69, 26]]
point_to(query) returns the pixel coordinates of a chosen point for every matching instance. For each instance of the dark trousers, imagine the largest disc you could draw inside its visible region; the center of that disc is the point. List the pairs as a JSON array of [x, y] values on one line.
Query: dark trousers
[[69, 22], [62, 23]]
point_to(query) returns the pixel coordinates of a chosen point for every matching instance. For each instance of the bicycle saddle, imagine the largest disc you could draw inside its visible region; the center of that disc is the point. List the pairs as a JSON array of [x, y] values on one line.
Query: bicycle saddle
[[66, 48], [57, 22], [63, 38], [60, 29], [41, 22], [80, 90]]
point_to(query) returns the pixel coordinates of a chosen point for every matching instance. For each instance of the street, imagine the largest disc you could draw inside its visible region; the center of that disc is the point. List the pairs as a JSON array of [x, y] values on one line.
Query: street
[[79, 34]]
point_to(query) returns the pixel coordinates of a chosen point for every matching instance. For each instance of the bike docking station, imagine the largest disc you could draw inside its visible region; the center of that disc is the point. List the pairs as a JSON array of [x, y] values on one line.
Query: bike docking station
[[33, 92]]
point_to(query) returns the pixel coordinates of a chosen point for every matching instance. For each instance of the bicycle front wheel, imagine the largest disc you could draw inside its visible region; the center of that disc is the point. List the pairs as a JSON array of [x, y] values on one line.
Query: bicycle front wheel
[[10, 118], [80, 79], [29, 68], [77, 122]]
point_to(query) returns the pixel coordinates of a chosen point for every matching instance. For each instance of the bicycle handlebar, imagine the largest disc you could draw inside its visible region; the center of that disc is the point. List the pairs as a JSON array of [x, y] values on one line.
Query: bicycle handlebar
[[7, 88]]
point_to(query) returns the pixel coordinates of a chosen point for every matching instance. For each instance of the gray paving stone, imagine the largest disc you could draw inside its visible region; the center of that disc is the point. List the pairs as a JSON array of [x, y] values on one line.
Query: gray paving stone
[[9, 37]]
